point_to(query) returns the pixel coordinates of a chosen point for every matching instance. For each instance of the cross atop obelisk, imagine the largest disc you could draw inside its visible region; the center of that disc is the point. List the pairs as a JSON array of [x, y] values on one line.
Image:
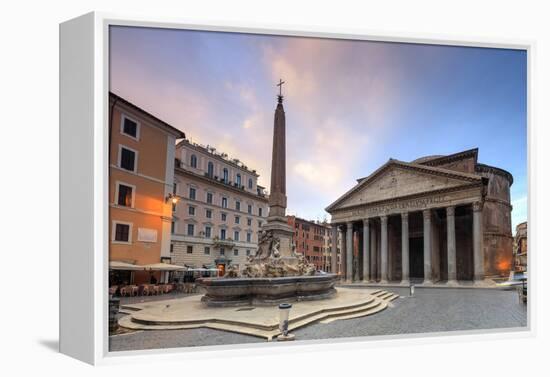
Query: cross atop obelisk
[[280, 85]]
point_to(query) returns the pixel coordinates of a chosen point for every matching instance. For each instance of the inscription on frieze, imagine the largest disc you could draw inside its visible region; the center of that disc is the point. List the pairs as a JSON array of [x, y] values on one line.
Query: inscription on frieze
[[414, 204]]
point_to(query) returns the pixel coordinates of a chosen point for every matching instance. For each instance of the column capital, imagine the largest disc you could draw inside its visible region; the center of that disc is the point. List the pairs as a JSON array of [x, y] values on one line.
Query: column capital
[[366, 221], [349, 224], [450, 211], [384, 218], [427, 213], [404, 216], [477, 206]]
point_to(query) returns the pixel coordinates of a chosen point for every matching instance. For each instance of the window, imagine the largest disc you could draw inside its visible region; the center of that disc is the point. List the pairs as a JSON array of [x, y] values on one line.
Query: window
[[192, 193], [237, 219], [224, 202], [122, 232], [193, 161], [259, 224], [222, 251], [189, 249], [207, 250], [209, 197], [127, 159], [222, 234], [236, 235], [247, 252], [173, 227], [171, 248], [190, 229], [225, 175], [125, 195], [129, 127], [250, 183], [260, 211], [238, 205], [191, 211], [224, 216], [238, 180], [210, 169], [248, 237], [208, 213], [207, 231], [236, 252], [175, 189], [250, 209], [249, 221]]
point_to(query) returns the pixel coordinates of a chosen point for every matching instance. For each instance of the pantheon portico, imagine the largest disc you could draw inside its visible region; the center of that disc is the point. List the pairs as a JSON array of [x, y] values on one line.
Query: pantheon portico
[[436, 219]]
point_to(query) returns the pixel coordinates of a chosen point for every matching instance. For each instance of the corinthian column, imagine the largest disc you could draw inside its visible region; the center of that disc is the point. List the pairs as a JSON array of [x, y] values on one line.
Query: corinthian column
[[366, 249], [349, 252], [405, 248], [451, 246], [384, 249], [334, 248], [427, 214], [479, 272]]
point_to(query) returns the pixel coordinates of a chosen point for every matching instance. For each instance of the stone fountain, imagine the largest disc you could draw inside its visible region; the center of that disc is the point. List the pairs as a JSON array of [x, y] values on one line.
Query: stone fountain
[[276, 273]]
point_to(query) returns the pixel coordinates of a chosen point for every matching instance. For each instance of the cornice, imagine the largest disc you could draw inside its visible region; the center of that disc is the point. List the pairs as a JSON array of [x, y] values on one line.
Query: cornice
[[482, 168], [220, 185]]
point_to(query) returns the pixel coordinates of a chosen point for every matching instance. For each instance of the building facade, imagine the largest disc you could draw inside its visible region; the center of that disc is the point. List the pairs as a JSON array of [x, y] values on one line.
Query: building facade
[[220, 211], [311, 239], [141, 175], [520, 248], [438, 218]]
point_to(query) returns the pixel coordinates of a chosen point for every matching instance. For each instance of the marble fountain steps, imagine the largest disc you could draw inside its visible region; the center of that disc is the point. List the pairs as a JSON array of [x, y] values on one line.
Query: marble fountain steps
[[245, 321]]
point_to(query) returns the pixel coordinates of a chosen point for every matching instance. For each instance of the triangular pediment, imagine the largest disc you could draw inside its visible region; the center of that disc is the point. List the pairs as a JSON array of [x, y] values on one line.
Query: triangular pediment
[[399, 179]]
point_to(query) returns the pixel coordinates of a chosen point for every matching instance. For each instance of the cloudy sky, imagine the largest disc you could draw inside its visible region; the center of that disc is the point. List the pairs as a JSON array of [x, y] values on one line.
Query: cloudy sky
[[350, 105]]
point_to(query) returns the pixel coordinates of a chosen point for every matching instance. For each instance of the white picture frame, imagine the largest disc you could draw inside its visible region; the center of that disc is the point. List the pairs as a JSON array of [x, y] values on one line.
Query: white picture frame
[[84, 235]]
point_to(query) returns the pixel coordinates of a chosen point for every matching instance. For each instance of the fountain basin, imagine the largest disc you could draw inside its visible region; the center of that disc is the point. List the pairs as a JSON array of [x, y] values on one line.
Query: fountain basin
[[266, 291]]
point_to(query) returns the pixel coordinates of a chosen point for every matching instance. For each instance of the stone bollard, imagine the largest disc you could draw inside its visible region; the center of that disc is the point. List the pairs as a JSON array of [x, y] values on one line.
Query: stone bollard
[[114, 306], [284, 312]]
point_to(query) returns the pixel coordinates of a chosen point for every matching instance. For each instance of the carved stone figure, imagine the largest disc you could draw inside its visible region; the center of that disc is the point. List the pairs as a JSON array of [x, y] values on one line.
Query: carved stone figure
[[231, 272]]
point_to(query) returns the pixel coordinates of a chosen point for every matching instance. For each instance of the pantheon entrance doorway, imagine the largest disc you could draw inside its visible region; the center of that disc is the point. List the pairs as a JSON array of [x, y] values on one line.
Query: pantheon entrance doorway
[[416, 258]]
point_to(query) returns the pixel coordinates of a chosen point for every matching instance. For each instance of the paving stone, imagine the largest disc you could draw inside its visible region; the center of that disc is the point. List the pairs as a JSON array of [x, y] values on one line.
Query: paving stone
[[430, 310]]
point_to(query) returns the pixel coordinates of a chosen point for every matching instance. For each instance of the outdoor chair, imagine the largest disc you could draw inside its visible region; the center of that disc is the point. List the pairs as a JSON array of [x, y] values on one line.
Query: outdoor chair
[[144, 290], [124, 291], [134, 290]]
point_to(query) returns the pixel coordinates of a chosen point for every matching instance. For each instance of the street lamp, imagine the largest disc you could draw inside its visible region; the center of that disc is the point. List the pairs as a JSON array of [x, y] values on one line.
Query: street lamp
[[284, 312], [173, 198]]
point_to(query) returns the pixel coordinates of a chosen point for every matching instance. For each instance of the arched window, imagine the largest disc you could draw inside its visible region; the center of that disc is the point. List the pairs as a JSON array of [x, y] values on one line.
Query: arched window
[[250, 183], [238, 180], [193, 161], [225, 175], [210, 169]]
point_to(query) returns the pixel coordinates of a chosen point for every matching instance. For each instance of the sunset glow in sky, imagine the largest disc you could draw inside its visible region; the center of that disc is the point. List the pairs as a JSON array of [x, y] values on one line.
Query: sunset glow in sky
[[350, 105]]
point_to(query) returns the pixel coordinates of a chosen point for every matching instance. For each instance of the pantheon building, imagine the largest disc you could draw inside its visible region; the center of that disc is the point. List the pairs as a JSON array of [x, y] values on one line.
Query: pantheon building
[[436, 219]]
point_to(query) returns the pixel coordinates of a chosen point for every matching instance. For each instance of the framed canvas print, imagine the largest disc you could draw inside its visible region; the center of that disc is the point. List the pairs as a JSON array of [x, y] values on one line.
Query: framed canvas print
[[226, 187]]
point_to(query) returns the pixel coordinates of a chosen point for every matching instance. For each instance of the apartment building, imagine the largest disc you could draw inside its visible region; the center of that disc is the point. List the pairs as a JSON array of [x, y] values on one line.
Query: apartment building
[[141, 177], [313, 240], [220, 212]]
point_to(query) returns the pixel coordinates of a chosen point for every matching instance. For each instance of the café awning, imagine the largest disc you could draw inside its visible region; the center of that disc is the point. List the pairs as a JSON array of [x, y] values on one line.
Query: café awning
[[123, 266], [163, 267]]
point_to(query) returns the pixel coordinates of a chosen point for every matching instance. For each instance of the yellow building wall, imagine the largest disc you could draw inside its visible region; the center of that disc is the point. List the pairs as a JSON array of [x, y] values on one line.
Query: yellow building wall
[[149, 208]]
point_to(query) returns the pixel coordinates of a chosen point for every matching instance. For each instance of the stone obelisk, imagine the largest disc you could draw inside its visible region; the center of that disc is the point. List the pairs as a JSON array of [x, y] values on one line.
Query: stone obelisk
[[276, 220]]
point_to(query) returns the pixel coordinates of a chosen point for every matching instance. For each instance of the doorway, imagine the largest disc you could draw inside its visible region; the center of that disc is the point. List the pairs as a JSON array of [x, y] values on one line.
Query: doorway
[[416, 257]]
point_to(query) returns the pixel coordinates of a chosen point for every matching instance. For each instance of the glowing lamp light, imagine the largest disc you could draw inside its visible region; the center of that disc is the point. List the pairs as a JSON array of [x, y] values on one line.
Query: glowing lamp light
[[174, 199]]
